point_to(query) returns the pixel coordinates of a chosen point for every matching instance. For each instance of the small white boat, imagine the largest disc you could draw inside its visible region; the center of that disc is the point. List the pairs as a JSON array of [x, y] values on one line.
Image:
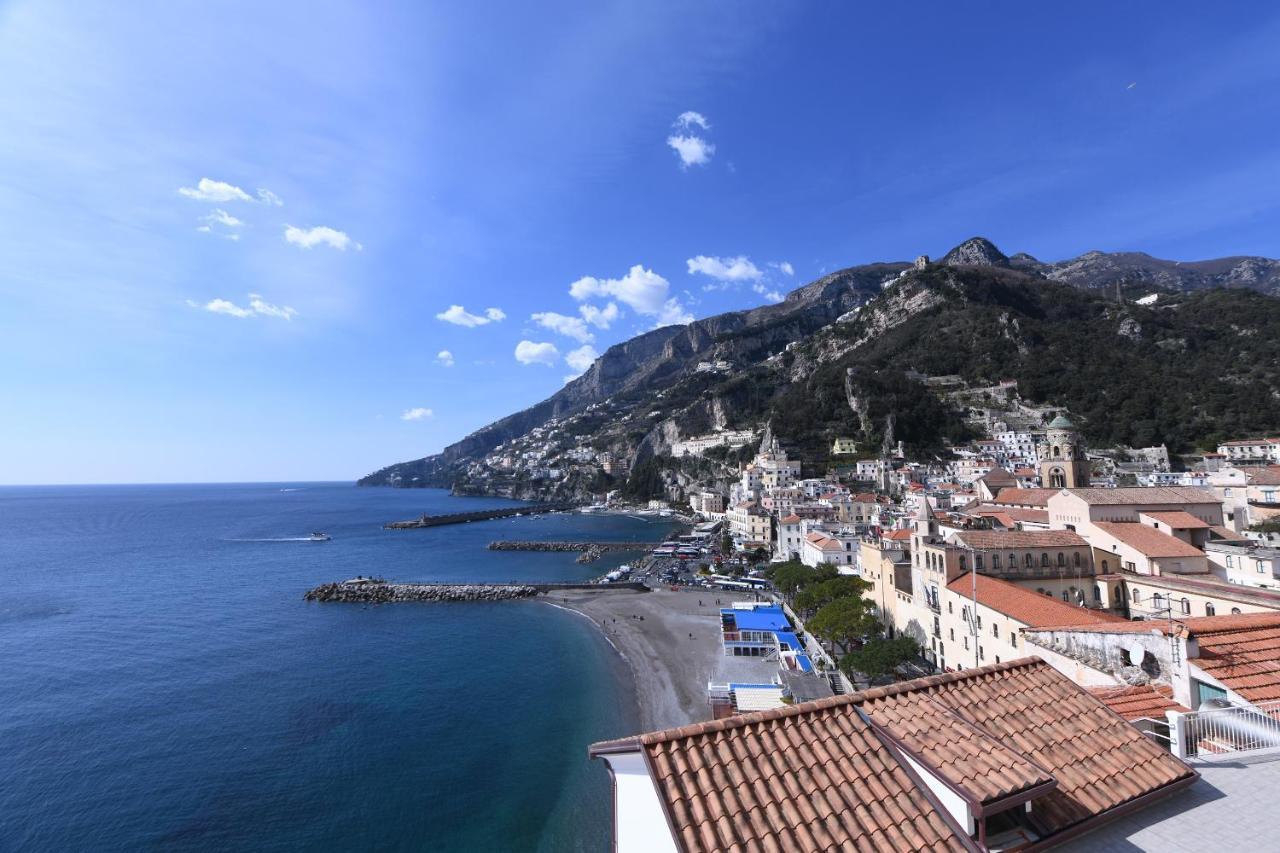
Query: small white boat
[[319, 537]]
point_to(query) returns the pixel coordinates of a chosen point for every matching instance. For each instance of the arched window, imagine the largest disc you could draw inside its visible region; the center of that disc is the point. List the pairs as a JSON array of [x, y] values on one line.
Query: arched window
[[1075, 558], [1097, 594], [1157, 601], [1030, 560], [1186, 606], [1235, 610], [1057, 451], [1062, 559], [1064, 595], [1137, 595], [1104, 567], [995, 561], [1044, 559], [977, 561], [963, 561], [1208, 609]]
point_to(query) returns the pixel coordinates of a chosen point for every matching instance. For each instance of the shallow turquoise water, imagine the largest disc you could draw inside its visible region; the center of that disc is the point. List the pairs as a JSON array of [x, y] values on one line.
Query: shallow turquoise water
[[164, 687]]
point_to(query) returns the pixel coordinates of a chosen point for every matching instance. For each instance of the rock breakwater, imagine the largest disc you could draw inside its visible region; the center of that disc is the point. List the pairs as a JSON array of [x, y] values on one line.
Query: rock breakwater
[[366, 592]]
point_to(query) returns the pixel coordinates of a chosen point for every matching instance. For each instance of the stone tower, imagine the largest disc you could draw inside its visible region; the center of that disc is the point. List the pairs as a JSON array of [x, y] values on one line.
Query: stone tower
[[1063, 464]]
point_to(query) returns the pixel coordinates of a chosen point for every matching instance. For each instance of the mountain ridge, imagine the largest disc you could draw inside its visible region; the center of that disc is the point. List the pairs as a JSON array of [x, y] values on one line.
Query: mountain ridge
[[666, 360]]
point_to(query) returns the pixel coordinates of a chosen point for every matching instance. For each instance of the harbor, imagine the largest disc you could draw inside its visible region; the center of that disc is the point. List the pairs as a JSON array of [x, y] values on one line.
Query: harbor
[[477, 515]]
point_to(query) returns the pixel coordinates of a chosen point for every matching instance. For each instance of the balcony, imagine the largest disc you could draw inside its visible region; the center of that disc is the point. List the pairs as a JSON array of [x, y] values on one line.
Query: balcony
[[1226, 731]]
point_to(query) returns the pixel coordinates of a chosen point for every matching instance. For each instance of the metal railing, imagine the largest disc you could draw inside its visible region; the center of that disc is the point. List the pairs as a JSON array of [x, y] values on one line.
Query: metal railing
[[1226, 729]]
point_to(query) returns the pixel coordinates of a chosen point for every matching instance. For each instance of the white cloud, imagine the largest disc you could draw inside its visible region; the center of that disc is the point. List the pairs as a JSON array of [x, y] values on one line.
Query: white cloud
[[258, 307], [784, 267], [416, 414], [221, 217], [693, 150], [529, 352], [689, 118], [217, 191], [570, 327], [269, 198], [601, 318], [266, 309], [725, 269], [459, 316], [581, 358], [444, 358], [320, 235], [643, 290], [771, 295]]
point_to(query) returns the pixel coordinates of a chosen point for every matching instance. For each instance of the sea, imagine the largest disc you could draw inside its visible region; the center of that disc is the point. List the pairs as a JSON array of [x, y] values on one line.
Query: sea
[[163, 685]]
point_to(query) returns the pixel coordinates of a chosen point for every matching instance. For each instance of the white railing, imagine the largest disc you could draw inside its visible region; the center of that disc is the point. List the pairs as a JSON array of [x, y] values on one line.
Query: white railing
[[1232, 729]]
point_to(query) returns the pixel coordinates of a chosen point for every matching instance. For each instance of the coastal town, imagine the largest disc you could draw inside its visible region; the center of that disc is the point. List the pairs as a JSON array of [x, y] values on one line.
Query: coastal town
[[1030, 641]]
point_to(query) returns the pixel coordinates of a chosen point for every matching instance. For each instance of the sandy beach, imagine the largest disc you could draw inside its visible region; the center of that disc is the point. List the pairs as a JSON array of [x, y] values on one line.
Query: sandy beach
[[671, 668]]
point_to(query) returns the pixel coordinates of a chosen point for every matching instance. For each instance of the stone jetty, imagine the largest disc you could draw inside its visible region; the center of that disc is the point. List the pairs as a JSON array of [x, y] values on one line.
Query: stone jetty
[[375, 592], [479, 515], [602, 547]]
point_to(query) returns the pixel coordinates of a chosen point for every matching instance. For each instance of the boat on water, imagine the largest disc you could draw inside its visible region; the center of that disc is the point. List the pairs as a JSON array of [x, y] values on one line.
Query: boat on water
[[319, 537]]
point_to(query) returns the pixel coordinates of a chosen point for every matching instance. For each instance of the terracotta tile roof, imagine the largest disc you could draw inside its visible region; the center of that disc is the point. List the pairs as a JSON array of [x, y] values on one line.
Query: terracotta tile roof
[[1179, 520], [992, 540], [828, 774], [1137, 702], [1226, 534], [1269, 476], [791, 519], [1098, 760], [1147, 540], [1247, 660], [1191, 624], [953, 748], [898, 535], [804, 777], [1146, 495], [1032, 609], [1015, 513], [1025, 497], [997, 477]]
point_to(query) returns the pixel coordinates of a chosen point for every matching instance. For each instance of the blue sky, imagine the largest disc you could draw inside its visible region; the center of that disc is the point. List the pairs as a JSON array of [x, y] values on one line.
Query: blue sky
[[232, 236]]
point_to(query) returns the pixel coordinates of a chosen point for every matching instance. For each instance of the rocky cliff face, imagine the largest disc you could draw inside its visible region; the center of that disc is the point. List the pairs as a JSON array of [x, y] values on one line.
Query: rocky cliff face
[[653, 393]]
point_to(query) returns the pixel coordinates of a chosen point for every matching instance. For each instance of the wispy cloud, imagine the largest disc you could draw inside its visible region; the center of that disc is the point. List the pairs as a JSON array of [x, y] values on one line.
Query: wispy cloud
[[459, 316], [725, 269], [644, 291], [444, 358], [692, 149], [258, 307], [773, 295], [320, 235], [532, 352], [784, 267], [562, 324], [690, 118], [417, 414], [269, 198], [221, 192]]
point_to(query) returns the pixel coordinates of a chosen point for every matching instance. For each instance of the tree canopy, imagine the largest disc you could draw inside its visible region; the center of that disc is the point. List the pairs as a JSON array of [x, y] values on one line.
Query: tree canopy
[[816, 595], [879, 657], [844, 621]]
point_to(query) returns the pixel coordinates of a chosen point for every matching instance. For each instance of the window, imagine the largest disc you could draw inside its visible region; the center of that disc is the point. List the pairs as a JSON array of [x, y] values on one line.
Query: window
[[1235, 610], [1030, 561], [981, 654], [1260, 566], [1075, 559], [1064, 596], [995, 561], [1097, 594], [1104, 567], [1137, 595], [950, 607], [953, 635], [1044, 559], [1013, 639], [1062, 559], [966, 643], [1157, 601], [1209, 609], [1231, 562], [1226, 493], [1186, 606]]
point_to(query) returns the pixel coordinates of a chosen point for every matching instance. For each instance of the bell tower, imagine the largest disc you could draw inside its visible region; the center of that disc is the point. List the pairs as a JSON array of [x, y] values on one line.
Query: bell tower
[[1063, 464]]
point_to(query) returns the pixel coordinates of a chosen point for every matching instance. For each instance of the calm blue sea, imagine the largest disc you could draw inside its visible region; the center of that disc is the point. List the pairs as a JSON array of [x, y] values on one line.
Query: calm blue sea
[[164, 687]]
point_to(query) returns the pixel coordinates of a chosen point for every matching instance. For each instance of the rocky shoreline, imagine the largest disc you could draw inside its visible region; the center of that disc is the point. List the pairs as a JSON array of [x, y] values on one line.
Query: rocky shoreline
[[380, 592]]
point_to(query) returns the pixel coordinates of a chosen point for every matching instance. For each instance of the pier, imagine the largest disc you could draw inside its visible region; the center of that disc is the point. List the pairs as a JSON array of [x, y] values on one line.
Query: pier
[[571, 546], [376, 591], [478, 515]]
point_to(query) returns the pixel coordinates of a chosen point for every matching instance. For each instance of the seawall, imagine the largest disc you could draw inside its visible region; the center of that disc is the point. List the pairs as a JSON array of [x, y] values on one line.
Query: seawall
[[381, 592]]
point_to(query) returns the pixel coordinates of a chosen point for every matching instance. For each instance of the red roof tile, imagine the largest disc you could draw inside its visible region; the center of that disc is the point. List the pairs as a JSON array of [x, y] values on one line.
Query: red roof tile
[[1146, 495], [1147, 540], [1245, 659], [1025, 497], [1032, 609], [995, 540], [1179, 520], [1143, 701], [1269, 476], [827, 775]]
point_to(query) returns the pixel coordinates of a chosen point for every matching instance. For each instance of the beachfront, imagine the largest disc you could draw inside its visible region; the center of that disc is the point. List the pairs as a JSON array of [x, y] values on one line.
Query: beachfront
[[670, 640]]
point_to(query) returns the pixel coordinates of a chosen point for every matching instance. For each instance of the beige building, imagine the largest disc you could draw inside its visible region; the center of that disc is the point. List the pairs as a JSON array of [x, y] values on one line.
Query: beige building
[[707, 503], [748, 523]]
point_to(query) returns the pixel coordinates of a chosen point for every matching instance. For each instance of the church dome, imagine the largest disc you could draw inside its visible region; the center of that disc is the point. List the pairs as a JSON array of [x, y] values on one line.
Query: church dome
[[1061, 422]]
